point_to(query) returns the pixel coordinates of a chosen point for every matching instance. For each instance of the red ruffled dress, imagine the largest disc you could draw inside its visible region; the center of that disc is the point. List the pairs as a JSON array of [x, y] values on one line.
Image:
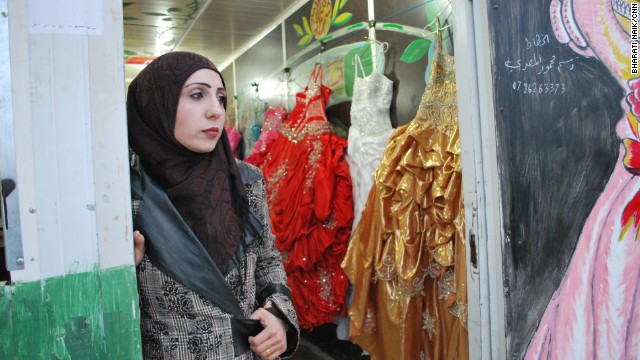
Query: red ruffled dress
[[311, 207]]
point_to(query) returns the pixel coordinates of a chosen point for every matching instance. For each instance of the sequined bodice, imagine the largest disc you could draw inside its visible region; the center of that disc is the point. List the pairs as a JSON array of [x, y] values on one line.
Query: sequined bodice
[[370, 104], [439, 105]]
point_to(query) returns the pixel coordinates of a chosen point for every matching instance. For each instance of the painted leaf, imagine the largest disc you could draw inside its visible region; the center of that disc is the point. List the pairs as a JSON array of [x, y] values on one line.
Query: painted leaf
[[394, 26], [343, 19], [125, 18], [126, 5], [170, 43], [298, 29], [130, 52], [305, 24], [356, 25], [334, 13], [630, 215], [167, 19], [415, 51], [174, 10], [155, 14], [305, 40], [342, 3]]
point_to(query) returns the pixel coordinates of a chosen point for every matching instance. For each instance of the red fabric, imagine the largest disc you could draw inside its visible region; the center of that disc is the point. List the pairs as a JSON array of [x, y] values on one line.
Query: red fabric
[[311, 208]]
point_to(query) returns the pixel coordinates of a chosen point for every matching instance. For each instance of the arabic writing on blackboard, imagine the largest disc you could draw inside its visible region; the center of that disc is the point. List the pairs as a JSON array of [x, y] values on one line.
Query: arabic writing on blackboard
[[537, 41], [539, 65], [537, 62], [538, 88]]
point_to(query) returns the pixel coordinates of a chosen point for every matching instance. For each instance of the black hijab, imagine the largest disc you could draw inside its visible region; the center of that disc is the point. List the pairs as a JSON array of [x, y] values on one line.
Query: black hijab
[[206, 189]]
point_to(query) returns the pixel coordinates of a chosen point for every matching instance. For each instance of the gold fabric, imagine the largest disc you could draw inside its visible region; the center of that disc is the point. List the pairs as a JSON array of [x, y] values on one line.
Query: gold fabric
[[406, 259]]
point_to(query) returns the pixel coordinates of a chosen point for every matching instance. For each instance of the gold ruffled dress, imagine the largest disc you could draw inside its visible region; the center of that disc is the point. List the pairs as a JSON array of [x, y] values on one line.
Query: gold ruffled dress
[[406, 258]]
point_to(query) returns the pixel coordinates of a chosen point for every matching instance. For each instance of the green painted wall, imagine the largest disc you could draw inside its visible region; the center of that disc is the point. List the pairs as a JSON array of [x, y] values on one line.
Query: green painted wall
[[92, 315]]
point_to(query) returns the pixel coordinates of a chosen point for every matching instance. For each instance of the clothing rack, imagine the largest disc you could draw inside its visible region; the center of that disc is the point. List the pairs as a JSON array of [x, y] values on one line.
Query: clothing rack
[[371, 25], [357, 27]]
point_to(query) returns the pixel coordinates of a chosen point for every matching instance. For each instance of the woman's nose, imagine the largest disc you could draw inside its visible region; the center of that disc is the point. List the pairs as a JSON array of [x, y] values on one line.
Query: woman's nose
[[215, 110]]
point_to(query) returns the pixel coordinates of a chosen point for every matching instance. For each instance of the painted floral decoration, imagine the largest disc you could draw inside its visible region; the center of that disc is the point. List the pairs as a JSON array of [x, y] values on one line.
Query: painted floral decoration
[[632, 146], [630, 214], [322, 18]]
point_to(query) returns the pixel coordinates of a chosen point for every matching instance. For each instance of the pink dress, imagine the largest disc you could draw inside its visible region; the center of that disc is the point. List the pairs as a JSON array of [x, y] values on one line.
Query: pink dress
[[593, 314], [272, 120], [234, 139]]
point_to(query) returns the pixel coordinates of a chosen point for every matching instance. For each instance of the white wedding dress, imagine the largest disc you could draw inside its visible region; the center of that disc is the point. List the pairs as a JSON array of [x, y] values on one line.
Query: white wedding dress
[[368, 135], [369, 132]]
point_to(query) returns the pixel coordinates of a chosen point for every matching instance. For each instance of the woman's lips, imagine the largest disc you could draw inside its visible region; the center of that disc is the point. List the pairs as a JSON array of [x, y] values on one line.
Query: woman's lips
[[212, 131]]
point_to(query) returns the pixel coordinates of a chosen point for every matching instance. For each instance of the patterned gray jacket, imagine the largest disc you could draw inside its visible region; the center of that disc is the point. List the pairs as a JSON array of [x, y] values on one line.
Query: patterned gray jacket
[[178, 322]]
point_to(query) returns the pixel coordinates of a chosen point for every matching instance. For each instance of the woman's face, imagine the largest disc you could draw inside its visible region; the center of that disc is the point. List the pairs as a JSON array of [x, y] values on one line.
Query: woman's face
[[201, 115]]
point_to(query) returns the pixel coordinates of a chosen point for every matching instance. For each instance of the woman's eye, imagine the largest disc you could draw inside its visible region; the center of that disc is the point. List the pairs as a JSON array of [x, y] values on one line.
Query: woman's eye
[[222, 99], [197, 95]]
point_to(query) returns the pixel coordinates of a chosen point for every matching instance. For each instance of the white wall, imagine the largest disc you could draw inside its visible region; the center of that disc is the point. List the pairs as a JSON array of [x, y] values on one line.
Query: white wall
[[70, 132]]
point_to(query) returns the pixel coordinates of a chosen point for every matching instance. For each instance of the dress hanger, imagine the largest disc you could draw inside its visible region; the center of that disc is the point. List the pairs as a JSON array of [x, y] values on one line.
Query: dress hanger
[[357, 63], [316, 74], [436, 20], [323, 47], [283, 88], [259, 107], [381, 49], [257, 98]]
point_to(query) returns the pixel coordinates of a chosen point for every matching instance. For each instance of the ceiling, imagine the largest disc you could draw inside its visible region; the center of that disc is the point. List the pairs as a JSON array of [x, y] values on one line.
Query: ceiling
[[220, 30]]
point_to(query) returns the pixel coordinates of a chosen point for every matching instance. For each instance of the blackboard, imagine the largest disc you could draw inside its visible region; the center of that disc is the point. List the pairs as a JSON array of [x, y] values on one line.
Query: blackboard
[[556, 113]]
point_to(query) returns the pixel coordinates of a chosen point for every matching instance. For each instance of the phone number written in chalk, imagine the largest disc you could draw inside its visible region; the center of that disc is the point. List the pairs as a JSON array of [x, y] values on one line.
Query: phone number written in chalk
[[538, 88]]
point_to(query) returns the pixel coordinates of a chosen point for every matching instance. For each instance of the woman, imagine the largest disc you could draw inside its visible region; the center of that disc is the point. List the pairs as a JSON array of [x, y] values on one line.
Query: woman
[[211, 282], [594, 313]]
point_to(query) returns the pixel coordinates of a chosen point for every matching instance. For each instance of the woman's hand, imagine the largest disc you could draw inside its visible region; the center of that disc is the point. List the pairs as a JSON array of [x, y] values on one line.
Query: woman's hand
[[272, 341], [138, 246]]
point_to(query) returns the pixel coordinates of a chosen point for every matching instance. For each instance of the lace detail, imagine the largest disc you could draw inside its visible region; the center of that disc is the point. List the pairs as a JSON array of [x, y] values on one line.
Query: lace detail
[[313, 128], [273, 183], [460, 310], [429, 324], [447, 286], [437, 106], [370, 104], [325, 284]]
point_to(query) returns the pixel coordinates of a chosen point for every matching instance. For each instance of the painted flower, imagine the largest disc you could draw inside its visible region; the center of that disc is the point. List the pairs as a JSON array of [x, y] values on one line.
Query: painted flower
[[632, 145], [631, 161], [633, 97], [320, 18]]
